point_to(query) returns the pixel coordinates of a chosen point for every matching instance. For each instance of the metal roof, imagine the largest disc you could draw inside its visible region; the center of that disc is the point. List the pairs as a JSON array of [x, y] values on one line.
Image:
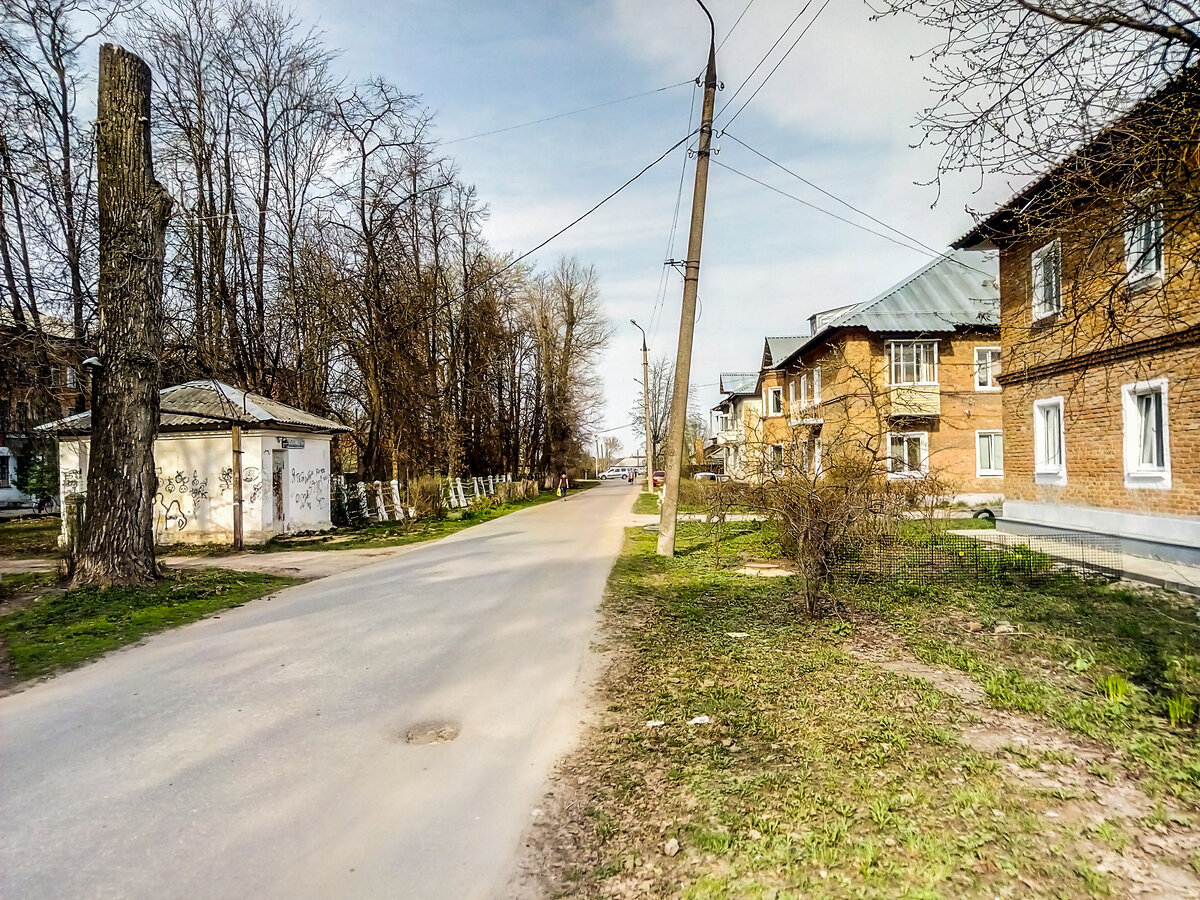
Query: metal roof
[[960, 288], [211, 404], [777, 349], [738, 382]]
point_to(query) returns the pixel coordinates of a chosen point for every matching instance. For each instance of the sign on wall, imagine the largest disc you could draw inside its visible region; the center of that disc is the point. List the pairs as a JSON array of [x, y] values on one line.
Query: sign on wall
[[292, 443]]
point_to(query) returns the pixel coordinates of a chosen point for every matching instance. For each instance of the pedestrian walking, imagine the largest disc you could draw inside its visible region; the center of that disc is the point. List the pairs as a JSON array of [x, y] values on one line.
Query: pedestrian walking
[[562, 485]]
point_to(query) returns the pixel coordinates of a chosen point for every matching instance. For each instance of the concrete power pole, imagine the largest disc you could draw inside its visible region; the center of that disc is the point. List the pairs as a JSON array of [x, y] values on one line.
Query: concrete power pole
[[687, 317], [646, 408]]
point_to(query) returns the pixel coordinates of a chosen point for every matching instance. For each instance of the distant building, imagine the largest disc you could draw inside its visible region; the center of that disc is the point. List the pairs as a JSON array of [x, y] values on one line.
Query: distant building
[[284, 464], [908, 377], [40, 380], [734, 423]]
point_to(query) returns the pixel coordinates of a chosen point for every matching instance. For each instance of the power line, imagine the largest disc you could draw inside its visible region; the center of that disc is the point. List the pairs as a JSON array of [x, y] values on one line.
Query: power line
[[737, 22], [828, 194], [771, 50], [563, 115], [820, 209], [915, 245], [802, 33], [528, 253]]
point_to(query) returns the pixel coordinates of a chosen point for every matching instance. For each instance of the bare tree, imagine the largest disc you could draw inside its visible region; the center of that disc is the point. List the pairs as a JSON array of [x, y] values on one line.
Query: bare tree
[[117, 543], [661, 380]]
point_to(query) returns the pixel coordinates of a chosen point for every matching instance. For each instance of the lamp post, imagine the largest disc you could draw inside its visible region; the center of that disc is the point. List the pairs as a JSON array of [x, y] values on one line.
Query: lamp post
[[646, 407]]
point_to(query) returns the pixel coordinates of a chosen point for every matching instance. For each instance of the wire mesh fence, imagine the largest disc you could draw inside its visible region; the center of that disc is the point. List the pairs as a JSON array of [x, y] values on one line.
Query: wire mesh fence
[[989, 556]]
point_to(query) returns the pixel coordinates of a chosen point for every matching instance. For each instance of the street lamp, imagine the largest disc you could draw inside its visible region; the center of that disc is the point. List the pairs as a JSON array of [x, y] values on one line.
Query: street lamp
[[646, 405]]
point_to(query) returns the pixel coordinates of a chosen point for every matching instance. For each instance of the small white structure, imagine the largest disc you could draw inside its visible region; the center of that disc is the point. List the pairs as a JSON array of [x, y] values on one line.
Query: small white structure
[[283, 467]]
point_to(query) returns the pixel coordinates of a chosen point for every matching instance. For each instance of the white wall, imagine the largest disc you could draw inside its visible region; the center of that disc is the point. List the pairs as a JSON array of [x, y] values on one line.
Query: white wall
[[194, 502], [10, 495]]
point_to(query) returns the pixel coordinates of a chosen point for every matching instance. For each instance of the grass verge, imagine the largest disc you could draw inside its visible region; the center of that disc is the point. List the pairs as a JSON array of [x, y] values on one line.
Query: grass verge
[[63, 628], [646, 504], [33, 536], [815, 774]]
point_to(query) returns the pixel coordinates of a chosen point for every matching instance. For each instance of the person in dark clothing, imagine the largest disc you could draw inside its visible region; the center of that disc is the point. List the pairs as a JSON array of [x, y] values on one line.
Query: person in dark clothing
[[563, 484]]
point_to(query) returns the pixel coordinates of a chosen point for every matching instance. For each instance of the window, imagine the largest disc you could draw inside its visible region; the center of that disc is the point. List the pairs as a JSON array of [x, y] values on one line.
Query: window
[[987, 368], [792, 392], [1147, 444], [804, 392], [775, 401], [72, 377], [1049, 463], [913, 362], [816, 383], [989, 453], [776, 457], [5, 472], [908, 454], [1144, 244], [810, 456], [1047, 281]]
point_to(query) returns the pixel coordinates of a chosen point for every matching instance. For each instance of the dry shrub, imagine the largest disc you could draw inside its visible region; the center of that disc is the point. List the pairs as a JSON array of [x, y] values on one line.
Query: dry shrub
[[425, 497]]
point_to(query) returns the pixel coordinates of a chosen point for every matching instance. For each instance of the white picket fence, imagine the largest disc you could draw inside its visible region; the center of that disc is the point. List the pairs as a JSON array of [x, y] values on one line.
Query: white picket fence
[[457, 493]]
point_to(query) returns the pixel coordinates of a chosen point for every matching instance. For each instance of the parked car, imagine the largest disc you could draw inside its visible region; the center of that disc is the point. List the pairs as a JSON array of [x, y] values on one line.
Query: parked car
[[615, 472], [710, 476], [660, 478]]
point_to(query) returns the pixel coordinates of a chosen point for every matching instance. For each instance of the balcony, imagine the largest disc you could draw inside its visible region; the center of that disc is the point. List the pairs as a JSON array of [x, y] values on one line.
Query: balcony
[[915, 400], [801, 413]]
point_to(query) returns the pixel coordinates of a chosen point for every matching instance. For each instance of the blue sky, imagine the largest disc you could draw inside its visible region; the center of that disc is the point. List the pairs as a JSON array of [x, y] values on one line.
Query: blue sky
[[839, 111]]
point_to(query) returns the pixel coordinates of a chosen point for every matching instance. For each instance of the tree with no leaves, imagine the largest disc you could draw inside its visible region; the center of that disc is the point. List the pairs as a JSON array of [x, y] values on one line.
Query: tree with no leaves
[[117, 543]]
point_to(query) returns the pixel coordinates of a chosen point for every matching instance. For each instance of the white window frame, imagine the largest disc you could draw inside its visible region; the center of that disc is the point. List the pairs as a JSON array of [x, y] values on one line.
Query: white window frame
[[992, 387], [816, 385], [991, 434], [805, 395], [772, 393], [1045, 470], [792, 391], [894, 364], [1139, 273], [1041, 308], [1137, 474], [923, 436]]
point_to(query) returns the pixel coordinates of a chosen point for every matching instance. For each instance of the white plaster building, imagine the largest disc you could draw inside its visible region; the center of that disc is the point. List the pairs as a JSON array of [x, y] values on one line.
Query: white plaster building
[[736, 438], [285, 473]]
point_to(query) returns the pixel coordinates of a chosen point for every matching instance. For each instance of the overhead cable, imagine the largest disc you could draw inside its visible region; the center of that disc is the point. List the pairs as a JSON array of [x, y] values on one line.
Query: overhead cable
[[563, 115]]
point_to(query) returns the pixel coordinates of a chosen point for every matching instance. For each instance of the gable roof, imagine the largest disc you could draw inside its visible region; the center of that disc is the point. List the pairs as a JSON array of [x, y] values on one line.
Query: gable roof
[[957, 289], [210, 404], [738, 382], [778, 349]]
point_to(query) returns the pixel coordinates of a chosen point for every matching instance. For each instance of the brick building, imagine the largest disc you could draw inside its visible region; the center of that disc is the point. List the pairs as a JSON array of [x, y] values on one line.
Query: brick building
[[907, 377], [1100, 324]]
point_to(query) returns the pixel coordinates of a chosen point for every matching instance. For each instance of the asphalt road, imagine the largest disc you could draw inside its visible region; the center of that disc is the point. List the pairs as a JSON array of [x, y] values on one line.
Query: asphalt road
[[262, 754]]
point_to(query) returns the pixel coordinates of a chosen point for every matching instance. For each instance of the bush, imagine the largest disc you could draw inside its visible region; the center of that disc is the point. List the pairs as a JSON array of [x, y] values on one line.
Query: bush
[[425, 497]]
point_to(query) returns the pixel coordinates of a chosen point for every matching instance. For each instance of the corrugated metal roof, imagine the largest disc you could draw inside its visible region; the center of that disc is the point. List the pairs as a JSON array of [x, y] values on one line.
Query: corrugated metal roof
[[960, 288], [214, 404], [738, 382], [778, 349]]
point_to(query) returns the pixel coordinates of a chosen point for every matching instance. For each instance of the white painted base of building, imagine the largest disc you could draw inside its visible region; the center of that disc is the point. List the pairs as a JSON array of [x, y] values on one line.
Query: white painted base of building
[[1174, 538]]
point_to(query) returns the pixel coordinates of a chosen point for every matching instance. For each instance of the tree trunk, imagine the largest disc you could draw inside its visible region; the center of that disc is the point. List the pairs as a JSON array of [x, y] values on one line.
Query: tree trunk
[[117, 545]]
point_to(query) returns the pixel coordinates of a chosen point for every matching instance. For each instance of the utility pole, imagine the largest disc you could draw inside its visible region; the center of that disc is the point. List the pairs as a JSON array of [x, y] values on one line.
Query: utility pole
[[687, 317], [646, 406]]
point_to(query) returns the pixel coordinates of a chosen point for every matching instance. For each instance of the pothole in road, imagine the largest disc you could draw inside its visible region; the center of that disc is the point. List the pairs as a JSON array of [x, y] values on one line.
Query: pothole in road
[[431, 733]]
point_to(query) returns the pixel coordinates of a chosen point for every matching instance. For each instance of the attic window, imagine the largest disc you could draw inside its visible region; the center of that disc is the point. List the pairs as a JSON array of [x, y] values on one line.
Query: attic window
[[1144, 244]]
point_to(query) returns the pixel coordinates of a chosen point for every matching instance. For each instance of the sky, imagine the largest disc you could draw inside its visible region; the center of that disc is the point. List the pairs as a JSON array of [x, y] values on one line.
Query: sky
[[840, 110]]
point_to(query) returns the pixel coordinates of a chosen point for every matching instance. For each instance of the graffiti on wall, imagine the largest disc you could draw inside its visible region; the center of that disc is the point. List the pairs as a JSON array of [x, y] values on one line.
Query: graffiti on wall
[[72, 481], [172, 513], [310, 487], [252, 477]]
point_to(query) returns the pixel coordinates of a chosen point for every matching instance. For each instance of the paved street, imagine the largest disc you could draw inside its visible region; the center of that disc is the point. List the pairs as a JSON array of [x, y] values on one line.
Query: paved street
[[263, 754]]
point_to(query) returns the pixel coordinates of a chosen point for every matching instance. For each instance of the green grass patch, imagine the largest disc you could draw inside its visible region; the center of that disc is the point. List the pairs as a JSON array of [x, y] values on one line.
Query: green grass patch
[[1104, 661], [646, 504], [816, 775], [61, 629], [35, 536]]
